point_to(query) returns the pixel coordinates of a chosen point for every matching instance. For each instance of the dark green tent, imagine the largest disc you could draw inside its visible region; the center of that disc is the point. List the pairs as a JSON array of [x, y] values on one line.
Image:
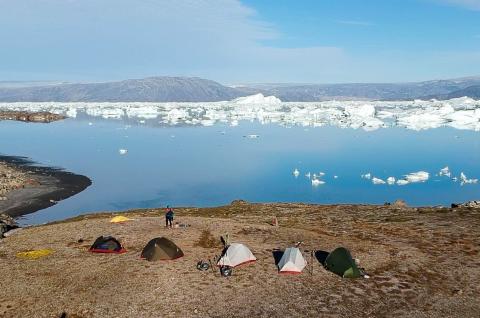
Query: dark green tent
[[161, 248], [341, 263]]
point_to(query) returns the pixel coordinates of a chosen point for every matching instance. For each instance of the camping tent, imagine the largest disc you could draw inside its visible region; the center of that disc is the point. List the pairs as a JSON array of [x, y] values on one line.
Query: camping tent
[[107, 244], [119, 219], [236, 254], [341, 263], [292, 261], [160, 249]]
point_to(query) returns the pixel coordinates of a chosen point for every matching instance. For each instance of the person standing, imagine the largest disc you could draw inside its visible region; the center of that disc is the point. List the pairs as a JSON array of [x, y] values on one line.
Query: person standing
[[169, 217]]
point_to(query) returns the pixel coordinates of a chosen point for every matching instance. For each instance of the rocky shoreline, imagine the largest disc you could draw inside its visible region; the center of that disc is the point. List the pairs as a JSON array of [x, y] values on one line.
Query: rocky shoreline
[[26, 188], [36, 117]]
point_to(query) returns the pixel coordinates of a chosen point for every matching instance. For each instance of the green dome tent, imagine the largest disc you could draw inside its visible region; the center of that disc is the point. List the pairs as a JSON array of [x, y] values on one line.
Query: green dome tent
[[340, 262], [161, 249]]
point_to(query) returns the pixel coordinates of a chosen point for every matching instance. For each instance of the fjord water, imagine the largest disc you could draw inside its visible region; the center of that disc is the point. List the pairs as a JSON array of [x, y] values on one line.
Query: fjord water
[[208, 166]]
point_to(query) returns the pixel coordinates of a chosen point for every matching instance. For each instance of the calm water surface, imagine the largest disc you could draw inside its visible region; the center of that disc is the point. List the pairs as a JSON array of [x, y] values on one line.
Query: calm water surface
[[208, 166]]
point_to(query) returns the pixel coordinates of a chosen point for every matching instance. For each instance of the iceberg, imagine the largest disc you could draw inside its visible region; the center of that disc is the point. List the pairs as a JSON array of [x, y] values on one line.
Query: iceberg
[[391, 180], [465, 180], [445, 172], [257, 99], [122, 151], [460, 113], [402, 182], [420, 176]]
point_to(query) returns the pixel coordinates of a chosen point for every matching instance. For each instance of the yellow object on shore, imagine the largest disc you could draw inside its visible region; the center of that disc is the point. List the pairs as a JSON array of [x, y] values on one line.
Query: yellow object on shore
[[119, 219], [35, 254]]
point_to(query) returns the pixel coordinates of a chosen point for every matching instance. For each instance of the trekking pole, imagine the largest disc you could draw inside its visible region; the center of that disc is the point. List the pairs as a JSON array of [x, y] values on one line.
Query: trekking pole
[[211, 264], [311, 261]]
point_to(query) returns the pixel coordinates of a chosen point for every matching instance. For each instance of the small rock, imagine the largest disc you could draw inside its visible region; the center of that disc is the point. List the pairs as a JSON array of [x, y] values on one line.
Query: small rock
[[457, 292], [399, 204]]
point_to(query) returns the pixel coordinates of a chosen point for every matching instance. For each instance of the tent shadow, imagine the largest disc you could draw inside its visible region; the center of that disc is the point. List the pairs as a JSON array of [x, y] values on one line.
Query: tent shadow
[[321, 256], [277, 255]]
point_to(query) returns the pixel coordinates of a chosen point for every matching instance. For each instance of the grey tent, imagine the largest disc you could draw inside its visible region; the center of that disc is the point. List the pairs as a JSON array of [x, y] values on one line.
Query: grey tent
[[292, 261], [161, 248], [340, 262]]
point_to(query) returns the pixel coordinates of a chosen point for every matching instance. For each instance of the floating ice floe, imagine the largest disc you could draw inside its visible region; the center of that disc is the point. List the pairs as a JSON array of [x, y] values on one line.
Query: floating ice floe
[[122, 151], [377, 181], [391, 180], [296, 173], [445, 172], [308, 175], [317, 182], [402, 182], [252, 136], [465, 180], [335, 177]]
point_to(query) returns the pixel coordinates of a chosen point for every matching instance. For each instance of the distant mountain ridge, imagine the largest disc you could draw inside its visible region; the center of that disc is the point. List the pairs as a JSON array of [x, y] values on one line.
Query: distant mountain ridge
[[373, 91], [471, 91], [152, 89], [193, 89]]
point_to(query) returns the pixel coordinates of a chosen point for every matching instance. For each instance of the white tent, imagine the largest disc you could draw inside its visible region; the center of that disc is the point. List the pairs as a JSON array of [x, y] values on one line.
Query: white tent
[[292, 261], [236, 254]]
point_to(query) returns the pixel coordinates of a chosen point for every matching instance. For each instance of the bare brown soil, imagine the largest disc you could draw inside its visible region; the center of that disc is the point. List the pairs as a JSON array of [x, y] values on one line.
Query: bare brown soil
[[423, 263]]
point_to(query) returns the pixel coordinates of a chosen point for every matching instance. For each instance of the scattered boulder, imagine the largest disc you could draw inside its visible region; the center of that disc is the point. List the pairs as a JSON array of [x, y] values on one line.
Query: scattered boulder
[[239, 202], [469, 204], [400, 204], [6, 224]]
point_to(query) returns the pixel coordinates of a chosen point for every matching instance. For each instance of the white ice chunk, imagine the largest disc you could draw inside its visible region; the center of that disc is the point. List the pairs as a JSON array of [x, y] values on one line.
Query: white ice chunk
[[377, 181], [296, 173], [317, 182], [122, 151], [391, 180]]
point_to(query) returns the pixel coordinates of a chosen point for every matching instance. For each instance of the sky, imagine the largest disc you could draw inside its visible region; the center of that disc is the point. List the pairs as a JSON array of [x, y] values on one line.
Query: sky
[[233, 41]]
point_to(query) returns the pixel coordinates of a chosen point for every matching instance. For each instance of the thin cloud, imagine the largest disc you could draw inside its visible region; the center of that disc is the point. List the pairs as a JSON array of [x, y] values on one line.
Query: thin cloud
[[355, 22], [115, 39], [467, 4]]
